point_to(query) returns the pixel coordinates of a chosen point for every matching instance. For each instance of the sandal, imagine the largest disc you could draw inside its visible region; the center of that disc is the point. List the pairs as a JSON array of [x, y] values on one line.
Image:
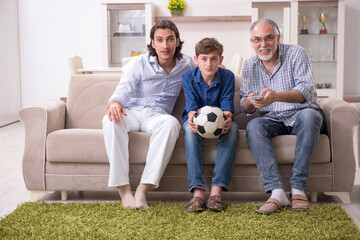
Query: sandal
[[196, 205], [214, 203], [299, 203], [271, 206]]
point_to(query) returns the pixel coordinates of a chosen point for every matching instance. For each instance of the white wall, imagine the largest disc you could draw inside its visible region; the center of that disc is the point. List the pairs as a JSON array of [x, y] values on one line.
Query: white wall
[[53, 30], [50, 32], [10, 101]]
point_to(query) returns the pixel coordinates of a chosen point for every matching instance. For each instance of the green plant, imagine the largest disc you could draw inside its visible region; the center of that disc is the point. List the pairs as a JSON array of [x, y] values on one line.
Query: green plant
[[176, 5]]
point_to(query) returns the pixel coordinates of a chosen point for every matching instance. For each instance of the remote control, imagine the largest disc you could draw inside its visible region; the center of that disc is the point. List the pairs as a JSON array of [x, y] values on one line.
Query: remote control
[[257, 97]]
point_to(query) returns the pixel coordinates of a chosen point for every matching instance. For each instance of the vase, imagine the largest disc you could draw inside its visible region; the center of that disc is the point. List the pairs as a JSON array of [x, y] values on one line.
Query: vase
[[176, 12]]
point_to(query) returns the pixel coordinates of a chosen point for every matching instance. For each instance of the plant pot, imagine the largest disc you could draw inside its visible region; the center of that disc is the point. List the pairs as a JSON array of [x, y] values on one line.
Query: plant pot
[[176, 12]]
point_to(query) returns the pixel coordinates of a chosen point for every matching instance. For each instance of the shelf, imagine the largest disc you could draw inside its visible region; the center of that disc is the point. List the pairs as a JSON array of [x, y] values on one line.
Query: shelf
[[319, 3], [127, 37], [270, 4], [328, 61], [205, 19], [126, 6], [326, 92], [318, 34]]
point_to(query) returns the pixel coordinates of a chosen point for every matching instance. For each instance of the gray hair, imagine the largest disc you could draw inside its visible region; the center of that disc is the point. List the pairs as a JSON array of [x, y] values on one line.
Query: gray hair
[[265, 21]]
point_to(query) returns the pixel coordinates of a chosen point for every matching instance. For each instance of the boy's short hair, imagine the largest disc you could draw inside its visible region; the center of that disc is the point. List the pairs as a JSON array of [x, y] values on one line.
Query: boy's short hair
[[208, 45]]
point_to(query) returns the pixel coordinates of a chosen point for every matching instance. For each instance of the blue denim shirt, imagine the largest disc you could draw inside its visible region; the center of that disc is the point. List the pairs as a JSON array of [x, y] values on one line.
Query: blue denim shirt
[[198, 94], [145, 84], [293, 71]]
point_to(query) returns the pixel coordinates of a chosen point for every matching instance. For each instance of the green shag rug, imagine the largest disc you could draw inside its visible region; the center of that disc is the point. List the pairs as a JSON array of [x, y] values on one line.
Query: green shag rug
[[41, 220]]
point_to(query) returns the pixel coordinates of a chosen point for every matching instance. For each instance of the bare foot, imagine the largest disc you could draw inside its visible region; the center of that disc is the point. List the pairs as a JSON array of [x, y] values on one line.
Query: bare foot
[[140, 196], [127, 198]]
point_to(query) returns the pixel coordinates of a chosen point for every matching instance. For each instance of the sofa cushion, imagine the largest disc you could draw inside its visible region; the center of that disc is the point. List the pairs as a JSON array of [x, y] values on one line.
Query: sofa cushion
[[87, 98], [87, 146]]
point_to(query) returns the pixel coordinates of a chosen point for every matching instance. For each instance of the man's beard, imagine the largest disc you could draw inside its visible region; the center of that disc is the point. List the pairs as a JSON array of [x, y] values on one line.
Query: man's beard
[[267, 57]]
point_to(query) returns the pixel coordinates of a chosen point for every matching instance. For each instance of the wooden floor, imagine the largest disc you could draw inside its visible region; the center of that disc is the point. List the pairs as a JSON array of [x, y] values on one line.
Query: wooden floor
[[13, 190]]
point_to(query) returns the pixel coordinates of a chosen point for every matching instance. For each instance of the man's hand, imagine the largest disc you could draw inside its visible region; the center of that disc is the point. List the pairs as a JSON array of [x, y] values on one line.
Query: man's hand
[[270, 96], [192, 125], [227, 123], [115, 111]]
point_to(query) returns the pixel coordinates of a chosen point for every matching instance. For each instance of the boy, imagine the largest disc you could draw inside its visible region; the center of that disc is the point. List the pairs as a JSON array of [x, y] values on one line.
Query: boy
[[209, 85]]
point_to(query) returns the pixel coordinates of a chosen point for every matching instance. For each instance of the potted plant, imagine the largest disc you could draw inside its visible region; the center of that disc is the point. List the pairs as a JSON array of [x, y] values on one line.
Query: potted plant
[[176, 7]]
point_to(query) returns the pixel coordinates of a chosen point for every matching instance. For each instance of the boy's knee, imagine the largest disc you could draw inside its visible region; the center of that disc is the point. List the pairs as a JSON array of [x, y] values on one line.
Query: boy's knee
[[234, 129]]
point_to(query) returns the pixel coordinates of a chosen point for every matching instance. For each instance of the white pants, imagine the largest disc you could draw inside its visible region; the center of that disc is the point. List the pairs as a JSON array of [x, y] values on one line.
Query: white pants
[[165, 132]]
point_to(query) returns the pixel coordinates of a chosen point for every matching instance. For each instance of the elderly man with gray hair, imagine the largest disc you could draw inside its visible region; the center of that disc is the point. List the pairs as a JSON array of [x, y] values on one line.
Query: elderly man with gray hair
[[278, 83]]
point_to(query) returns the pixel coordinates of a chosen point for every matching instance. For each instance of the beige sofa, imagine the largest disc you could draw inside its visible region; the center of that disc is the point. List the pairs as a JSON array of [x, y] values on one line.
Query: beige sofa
[[65, 151]]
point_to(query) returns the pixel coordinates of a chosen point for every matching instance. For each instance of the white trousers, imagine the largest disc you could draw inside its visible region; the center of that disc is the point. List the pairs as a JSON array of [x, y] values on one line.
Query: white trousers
[[165, 132]]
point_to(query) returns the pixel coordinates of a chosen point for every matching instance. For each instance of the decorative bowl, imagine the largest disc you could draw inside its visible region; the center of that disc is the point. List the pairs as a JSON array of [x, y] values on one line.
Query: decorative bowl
[[327, 85], [319, 85]]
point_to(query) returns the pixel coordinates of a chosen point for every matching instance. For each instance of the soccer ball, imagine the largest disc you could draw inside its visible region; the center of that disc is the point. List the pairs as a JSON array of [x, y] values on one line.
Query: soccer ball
[[209, 121]]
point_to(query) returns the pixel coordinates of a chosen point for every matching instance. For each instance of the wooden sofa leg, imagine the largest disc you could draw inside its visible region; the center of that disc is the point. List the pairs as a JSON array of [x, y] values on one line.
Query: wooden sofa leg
[[344, 196], [314, 196], [36, 195], [64, 195]]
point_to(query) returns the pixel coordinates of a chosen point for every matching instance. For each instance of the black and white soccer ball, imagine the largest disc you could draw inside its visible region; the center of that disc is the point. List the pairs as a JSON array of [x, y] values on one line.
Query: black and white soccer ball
[[209, 121]]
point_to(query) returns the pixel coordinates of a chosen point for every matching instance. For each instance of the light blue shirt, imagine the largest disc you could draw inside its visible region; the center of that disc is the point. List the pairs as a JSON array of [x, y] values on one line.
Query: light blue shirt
[[144, 84], [293, 71]]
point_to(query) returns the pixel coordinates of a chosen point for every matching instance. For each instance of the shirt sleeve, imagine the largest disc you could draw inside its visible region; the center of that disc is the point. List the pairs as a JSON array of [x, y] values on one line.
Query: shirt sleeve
[[189, 92], [227, 96], [245, 88], [128, 83], [303, 76]]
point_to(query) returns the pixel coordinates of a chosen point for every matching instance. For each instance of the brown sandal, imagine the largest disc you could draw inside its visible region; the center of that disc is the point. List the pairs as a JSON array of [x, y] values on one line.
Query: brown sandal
[[196, 205], [299, 203], [214, 203], [271, 206]]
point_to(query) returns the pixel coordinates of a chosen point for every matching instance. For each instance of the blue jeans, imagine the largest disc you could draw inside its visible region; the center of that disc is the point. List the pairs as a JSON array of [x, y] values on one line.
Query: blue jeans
[[259, 132], [224, 162]]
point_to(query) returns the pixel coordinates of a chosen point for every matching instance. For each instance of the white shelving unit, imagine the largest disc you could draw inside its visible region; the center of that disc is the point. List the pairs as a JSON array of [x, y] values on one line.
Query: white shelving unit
[[325, 50], [125, 30]]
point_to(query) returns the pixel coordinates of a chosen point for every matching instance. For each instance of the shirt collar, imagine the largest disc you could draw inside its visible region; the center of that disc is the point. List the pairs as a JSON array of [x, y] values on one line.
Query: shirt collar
[[282, 54], [198, 77], [153, 60]]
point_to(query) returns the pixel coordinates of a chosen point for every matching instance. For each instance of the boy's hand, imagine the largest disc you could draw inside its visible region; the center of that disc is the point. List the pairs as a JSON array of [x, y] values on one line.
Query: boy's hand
[[192, 125], [227, 123], [115, 111]]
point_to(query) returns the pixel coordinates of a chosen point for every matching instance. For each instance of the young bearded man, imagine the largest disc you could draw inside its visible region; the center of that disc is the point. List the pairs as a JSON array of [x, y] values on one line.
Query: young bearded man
[[143, 101]]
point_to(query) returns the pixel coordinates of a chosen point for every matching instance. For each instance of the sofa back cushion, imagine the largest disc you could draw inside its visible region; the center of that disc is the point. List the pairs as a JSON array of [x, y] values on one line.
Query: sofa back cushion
[[89, 93], [87, 97], [239, 117]]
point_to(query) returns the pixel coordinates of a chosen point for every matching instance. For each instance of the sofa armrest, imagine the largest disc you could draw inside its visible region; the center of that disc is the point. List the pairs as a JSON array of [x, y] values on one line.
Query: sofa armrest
[[357, 135], [39, 120], [340, 119]]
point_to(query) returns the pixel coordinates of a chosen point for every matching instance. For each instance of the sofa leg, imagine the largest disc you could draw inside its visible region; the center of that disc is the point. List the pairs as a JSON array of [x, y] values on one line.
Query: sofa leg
[[64, 195], [314, 196], [36, 195], [344, 196]]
